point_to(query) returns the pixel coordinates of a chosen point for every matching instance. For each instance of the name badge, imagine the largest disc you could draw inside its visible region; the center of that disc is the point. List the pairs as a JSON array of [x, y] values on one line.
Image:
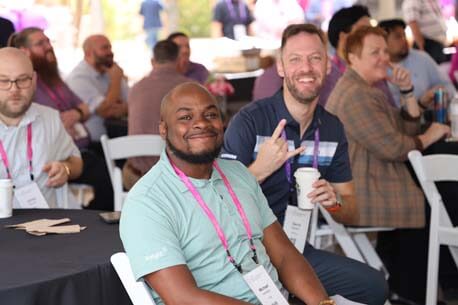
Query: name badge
[[239, 31], [263, 287], [80, 131], [296, 226], [30, 197]]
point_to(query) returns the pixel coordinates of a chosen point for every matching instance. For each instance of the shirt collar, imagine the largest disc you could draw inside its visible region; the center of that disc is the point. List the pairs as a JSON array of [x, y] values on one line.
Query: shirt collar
[[91, 70], [30, 116], [175, 179], [283, 113]]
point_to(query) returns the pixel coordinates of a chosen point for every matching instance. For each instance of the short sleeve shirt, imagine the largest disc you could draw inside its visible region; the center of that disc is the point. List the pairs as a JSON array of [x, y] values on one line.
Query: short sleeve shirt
[[256, 122], [50, 142], [91, 87], [229, 14], [61, 98], [162, 225], [150, 9]]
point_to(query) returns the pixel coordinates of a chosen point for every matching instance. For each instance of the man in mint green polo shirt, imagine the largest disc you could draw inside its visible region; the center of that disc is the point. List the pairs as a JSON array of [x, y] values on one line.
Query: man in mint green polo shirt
[[171, 240]]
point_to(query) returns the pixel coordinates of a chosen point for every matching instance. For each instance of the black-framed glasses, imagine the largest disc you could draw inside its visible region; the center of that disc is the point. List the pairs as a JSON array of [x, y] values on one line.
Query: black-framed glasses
[[21, 83]]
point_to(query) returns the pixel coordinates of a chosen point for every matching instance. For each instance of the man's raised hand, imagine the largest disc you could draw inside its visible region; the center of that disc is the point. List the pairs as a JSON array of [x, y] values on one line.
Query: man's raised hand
[[272, 154]]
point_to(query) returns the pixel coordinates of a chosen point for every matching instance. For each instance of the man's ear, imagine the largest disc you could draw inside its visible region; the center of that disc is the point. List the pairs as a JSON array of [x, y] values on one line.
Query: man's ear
[[163, 130], [279, 64]]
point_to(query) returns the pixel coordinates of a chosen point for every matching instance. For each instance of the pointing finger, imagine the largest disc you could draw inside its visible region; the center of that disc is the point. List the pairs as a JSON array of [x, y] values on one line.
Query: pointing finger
[[277, 132]]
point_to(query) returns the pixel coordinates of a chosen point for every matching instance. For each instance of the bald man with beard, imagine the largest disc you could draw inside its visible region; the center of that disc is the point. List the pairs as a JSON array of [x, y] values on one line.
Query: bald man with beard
[[100, 82]]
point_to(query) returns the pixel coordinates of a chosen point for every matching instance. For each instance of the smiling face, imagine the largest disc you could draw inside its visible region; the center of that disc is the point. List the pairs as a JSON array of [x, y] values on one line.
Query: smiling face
[[191, 124], [373, 62], [303, 66]]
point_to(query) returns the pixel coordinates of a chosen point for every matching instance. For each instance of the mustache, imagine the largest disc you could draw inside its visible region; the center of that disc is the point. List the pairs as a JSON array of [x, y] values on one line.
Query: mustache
[[306, 74], [208, 132]]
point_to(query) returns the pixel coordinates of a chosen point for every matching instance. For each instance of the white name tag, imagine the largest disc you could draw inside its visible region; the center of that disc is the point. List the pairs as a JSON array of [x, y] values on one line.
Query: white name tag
[[30, 197], [263, 287], [239, 31], [296, 226], [80, 132]]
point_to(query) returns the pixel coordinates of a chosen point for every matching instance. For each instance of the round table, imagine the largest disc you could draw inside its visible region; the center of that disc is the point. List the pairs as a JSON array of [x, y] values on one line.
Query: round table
[[60, 268]]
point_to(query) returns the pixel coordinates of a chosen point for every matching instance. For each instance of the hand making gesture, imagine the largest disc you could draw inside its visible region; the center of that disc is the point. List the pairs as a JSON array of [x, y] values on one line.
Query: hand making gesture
[[272, 154]]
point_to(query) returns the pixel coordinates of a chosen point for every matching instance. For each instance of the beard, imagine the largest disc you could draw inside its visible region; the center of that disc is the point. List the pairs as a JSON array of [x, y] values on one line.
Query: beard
[[199, 158], [47, 70], [301, 97], [9, 112], [403, 54], [103, 61]]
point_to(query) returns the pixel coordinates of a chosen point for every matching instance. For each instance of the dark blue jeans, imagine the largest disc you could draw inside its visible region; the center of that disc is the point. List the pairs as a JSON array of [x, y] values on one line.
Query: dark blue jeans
[[349, 278]]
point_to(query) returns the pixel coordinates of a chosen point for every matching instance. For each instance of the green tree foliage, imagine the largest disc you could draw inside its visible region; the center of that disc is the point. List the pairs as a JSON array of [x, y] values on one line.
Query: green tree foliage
[[120, 18], [195, 17]]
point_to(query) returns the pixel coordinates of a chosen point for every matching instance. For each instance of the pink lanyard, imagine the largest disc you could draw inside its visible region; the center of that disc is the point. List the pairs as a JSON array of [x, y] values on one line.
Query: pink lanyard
[[55, 97], [29, 154], [211, 216]]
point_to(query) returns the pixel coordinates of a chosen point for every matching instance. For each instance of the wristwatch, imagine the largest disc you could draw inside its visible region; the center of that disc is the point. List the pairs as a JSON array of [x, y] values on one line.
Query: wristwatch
[[327, 302], [337, 205]]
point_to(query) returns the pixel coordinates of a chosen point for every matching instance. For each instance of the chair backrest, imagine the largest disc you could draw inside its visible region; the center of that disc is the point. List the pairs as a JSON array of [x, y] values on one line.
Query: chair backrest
[[137, 291], [430, 169], [127, 147], [434, 168]]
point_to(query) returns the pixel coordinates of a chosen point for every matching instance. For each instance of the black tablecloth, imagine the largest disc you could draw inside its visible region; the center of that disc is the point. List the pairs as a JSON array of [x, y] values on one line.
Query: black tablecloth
[[66, 269]]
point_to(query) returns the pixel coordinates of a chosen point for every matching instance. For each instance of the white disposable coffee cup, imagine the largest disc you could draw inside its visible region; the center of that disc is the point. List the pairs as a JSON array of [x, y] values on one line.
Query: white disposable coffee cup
[[6, 198], [305, 177]]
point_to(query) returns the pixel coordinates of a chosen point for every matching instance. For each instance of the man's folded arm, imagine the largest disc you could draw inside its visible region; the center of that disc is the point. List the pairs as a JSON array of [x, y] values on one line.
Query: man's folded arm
[[176, 286]]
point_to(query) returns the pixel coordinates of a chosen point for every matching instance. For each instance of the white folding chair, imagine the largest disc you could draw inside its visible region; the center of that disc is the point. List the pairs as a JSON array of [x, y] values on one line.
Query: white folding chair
[[353, 241], [430, 169], [127, 147], [137, 291]]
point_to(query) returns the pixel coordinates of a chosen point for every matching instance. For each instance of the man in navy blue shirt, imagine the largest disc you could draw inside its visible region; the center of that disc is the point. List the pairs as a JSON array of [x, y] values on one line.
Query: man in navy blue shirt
[[277, 135], [150, 10]]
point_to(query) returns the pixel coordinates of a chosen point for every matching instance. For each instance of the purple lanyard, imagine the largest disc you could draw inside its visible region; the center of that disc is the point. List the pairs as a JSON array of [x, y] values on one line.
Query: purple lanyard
[[29, 154], [316, 151], [211, 216], [242, 13]]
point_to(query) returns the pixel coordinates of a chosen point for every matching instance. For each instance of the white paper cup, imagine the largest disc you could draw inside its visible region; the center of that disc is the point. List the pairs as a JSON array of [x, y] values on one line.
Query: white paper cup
[[305, 177], [6, 198]]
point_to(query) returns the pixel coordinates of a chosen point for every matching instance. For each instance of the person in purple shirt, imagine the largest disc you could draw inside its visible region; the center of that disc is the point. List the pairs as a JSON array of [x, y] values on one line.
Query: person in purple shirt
[[51, 91], [190, 69]]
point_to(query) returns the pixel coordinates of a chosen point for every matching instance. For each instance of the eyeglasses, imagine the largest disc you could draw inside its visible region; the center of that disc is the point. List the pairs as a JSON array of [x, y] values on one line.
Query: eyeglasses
[[21, 83]]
